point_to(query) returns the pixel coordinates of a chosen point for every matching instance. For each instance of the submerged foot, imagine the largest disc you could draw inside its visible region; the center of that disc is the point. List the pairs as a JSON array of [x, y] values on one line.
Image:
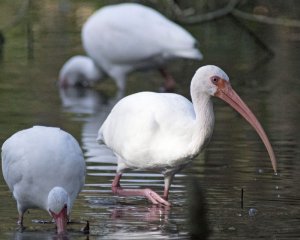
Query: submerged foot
[[148, 193], [20, 228], [155, 198]]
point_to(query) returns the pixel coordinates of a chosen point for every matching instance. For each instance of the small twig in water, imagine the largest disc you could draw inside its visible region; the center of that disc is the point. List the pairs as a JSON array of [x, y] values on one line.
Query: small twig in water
[[242, 198]]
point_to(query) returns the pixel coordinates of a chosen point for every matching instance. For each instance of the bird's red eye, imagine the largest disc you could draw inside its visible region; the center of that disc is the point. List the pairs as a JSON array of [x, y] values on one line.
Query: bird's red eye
[[214, 79]]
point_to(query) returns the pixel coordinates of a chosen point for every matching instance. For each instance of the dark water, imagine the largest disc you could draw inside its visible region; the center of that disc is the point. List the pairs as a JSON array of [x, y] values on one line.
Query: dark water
[[49, 34]]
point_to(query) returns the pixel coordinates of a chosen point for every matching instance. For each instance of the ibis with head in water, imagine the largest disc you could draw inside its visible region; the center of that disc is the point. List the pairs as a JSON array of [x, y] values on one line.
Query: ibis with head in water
[[44, 168]]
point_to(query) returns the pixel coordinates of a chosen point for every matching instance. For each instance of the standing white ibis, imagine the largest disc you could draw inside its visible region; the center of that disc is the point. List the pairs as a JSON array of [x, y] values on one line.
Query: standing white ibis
[[164, 131], [44, 168], [126, 37]]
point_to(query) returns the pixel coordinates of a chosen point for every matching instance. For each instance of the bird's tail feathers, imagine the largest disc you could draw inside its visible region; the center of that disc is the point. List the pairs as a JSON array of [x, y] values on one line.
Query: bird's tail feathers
[[190, 54]]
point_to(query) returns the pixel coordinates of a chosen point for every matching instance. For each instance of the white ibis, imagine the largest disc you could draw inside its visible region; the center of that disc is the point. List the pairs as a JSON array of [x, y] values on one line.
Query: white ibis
[[44, 168], [126, 37], [165, 131], [79, 70]]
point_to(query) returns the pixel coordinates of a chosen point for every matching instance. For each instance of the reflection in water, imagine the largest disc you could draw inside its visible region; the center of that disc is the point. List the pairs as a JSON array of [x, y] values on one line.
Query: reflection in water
[[2, 41], [198, 222], [90, 108], [150, 214], [43, 235], [155, 216], [80, 100]]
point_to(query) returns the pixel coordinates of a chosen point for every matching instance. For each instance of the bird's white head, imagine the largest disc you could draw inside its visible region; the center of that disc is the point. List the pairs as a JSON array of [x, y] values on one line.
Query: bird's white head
[[204, 78], [212, 81], [59, 207], [79, 71]]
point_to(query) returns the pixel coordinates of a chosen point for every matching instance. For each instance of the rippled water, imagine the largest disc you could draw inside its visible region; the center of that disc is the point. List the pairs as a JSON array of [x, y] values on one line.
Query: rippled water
[[207, 194]]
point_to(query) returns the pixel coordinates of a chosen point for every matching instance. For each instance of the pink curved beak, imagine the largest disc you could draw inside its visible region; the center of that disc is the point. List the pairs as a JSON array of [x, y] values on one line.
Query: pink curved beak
[[226, 93], [61, 220]]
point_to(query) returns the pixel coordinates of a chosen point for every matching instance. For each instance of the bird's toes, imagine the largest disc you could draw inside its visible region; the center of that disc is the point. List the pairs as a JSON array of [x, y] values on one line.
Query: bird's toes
[[155, 198], [20, 228]]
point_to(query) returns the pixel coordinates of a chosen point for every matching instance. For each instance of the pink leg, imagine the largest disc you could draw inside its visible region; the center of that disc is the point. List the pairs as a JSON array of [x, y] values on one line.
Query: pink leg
[[168, 180], [170, 83], [148, 193]]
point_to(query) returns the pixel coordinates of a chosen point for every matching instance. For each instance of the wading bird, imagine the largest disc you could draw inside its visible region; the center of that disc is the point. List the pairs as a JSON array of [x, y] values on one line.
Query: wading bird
[[165, 131], [79, 71], [126, 37], [44, 168]]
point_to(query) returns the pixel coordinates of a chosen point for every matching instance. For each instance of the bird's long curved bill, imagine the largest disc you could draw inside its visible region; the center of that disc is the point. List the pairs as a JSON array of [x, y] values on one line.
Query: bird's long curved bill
[[61, 220], [226, 93]]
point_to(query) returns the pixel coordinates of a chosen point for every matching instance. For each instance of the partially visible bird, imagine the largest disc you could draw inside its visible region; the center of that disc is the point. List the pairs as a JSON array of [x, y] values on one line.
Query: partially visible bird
[[165, 131], [126, 37], [44, 168], [79, 71]]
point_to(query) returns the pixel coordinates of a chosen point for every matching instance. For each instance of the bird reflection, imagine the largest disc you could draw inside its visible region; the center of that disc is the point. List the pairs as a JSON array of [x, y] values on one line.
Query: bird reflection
[[81, 100], [153, 213], [38, 235], [153, 222], [90, 107]]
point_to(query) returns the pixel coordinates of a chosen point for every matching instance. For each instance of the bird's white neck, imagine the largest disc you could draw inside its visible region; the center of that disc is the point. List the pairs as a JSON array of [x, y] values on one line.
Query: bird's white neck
[[204, 121]]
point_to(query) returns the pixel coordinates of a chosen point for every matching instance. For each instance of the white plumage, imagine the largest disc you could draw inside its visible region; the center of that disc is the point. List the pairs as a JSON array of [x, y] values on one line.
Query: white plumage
[[126, 37], [146, 136], [165, 131], [79, 70], [44, 168]]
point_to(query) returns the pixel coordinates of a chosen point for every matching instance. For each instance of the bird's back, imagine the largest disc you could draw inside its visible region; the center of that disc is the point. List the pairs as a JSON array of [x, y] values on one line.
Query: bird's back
[[37, 159]]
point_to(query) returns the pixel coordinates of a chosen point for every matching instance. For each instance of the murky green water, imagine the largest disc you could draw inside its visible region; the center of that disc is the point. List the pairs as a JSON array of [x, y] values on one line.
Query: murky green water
[[36, 48]]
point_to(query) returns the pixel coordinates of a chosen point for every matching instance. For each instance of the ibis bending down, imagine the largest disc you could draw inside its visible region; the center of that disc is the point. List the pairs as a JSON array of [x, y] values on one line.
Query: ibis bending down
[[79, 71], [125, 37], [44, 168], [165, 131]]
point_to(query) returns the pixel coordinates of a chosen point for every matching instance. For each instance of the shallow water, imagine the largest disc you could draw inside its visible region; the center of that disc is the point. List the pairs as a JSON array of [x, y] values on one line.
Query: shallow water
[[206, 193]]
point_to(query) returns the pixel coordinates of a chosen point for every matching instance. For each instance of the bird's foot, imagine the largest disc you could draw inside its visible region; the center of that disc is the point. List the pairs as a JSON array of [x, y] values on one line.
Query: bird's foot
[[20, 228], [155, 198], [148, 193]]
